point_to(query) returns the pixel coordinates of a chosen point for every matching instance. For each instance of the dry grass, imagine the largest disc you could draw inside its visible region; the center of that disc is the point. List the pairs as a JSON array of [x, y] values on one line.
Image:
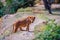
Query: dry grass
[[0, 22], [28, 9], [37, 1]]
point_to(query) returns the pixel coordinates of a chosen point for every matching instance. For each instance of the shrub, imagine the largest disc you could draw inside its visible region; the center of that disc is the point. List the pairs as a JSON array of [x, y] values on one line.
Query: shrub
[[12, 6], [51, 32], [1, 5]]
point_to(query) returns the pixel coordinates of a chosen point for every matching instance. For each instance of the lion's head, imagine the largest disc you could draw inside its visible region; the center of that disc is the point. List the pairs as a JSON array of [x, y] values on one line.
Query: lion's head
[[31, 18]]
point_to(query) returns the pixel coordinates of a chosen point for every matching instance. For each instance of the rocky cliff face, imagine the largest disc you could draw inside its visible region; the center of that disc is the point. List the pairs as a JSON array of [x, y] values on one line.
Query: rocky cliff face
[[6, 31]]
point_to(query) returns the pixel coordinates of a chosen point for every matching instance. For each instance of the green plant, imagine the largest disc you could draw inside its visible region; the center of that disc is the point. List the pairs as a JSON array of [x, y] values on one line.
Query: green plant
[[12, 6], [9, 2], [52, 32], [1, 5]]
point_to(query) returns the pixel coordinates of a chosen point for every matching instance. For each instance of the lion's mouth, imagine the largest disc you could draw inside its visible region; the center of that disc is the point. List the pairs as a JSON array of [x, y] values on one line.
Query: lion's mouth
[[33, 19]]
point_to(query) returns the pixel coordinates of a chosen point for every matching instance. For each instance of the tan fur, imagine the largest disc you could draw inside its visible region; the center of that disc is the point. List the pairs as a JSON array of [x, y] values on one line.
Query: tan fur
[[23, 23]]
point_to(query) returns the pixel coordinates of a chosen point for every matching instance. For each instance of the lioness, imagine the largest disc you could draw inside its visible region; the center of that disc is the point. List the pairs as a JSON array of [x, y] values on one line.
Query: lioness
[[23, 23]]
